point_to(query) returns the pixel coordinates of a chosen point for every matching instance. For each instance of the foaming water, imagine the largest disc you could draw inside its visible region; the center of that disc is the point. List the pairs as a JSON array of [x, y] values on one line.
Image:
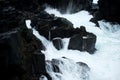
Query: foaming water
[[78, 20], [104, 64], [110, 29], [95, 1]]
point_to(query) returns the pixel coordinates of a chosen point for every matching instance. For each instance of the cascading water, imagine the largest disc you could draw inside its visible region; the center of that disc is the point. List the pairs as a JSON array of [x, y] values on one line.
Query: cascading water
[[104, 64], [61, 69]]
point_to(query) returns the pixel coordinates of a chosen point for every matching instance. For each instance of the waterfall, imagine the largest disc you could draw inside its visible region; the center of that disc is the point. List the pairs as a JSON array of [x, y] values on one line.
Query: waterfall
[[66, 69], [104, 64]]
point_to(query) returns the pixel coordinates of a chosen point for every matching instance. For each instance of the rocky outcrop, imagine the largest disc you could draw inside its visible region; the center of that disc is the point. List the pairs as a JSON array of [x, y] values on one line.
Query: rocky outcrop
[[47, 25], [109, 9], [83, 41], [20, 55]]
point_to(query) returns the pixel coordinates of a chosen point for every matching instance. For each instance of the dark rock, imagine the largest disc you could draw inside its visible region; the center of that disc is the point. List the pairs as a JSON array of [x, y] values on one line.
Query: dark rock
[[65, 33], [47, 25], [96, 14], [61, 22], [38, 63], [10, 55], [17, 55], [94, 8], [83, 42], [24, 4], [9, 19], [76, 42], [20, 57], [34, 60], [61, 32], [96, 17], [109, 9], [89, 43], [38, 66], [57, 42]]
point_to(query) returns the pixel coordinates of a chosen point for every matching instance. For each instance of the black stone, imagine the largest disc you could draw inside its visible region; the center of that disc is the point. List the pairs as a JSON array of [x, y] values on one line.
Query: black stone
[[57, 42], [83, 42]]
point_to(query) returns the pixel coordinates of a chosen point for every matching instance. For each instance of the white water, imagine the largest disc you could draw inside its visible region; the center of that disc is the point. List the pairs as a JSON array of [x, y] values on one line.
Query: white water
[[104, 64], [95, 1]]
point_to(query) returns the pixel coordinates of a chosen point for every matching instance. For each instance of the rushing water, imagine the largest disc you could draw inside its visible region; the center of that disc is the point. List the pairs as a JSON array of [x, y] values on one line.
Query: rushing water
[[104, 64]]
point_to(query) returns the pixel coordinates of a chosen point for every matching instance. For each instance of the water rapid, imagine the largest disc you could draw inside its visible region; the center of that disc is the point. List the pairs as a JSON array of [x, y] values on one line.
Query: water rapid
[[104, 64]]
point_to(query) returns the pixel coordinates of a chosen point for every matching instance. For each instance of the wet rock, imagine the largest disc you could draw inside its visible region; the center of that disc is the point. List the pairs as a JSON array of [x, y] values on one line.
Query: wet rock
[[57, 42], [96, 17], [109, 9], [10, 55], [38, 66], [60, 22], [47, 24], [18, 47], [83, 41], [38, 63]]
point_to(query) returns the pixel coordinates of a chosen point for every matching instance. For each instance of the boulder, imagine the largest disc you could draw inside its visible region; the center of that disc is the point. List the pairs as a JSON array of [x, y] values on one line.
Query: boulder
[[57, 42], [65, 33], [47, 24], [76, 42], [83, 42]]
